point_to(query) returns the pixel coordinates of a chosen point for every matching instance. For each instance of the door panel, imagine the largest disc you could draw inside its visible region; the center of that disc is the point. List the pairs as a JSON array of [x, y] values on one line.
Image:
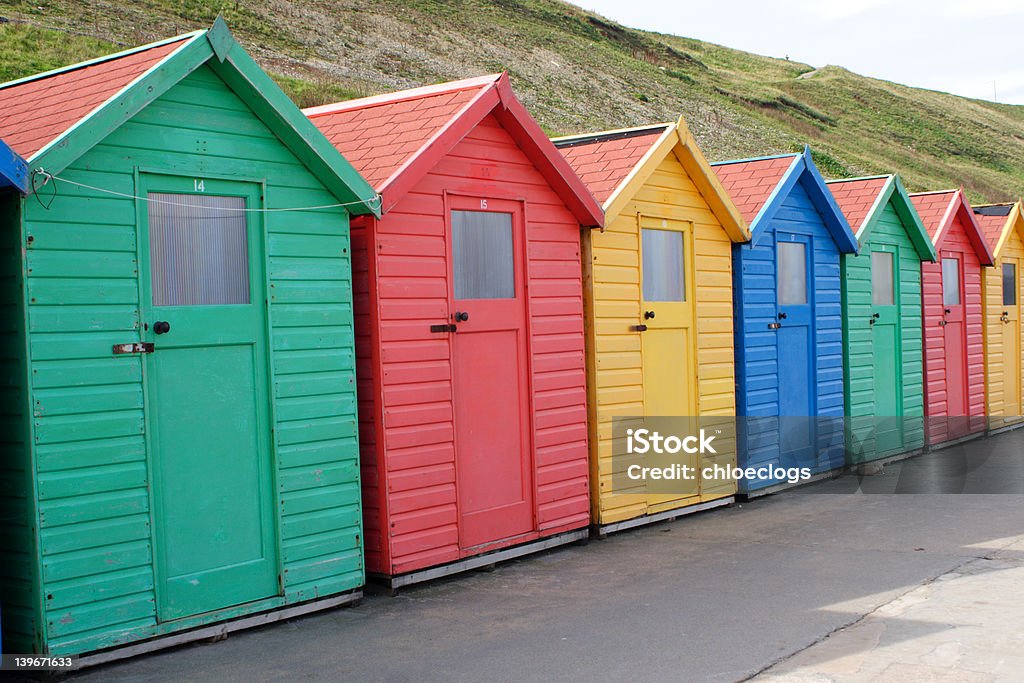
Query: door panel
[[1011, 336], [887, 349], [207, 395], [493, 450], [795, 344], [668, 345], [954, 331]]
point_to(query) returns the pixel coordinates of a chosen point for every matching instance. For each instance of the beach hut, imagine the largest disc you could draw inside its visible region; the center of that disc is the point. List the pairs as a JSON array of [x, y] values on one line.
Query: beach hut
[[469, 322], [954, 354], [179, 453], [659, 305], [1003, 227], [788, 312], [882, 347]]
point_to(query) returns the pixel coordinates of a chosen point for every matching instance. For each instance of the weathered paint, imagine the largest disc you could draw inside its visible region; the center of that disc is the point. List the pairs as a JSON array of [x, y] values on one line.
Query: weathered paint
[[789, 359], [650, 177], [882, 347], [84, 482], [429, 151], [1003, 226], [954, 367]]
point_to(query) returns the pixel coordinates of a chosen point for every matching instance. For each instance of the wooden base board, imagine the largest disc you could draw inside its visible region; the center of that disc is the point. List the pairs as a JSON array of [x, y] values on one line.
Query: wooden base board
[[217, 630], [775, 488], [602, 530], [475, 562]]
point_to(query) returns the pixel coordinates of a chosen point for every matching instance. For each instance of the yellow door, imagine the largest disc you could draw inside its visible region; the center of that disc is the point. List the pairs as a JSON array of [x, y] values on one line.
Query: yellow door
[[667, 334], [1011, 337]]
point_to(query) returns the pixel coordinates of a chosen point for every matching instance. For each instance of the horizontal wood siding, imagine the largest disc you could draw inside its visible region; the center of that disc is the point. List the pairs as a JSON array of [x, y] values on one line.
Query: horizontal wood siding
[[19, 565], [955, 243], [89, 427], [756, 306], [415, 370], [858, 349], [992, 290], [614, 358]]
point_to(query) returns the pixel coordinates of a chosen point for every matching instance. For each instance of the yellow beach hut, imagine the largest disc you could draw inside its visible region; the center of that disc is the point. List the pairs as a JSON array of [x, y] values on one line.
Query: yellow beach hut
[[658, 307], [1003, 226]]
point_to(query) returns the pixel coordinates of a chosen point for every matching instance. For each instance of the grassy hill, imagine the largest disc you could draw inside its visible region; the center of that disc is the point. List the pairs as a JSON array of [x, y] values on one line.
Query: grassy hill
[[575, 70]]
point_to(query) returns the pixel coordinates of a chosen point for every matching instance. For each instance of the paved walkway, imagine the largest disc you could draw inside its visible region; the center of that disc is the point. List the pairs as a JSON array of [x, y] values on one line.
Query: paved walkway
[[793, 587]]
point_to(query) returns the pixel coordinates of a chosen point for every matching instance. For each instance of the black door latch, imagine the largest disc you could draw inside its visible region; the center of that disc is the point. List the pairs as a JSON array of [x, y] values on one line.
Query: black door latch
[[444, 328]]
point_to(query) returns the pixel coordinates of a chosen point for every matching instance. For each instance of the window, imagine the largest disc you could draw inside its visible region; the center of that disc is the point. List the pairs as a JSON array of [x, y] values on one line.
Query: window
[[482, 254], [1009, 284], [792, 273], [951, 281], [198, 250], [664, 272], [882, 279]]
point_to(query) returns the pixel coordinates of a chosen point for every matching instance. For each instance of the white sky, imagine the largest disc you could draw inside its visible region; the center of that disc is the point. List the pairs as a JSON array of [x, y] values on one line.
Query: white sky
[[954, 46]]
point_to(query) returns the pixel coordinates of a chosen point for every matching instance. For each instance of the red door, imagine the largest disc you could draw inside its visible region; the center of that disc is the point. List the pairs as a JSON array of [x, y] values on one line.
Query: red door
[[494, 466], [954, 333]]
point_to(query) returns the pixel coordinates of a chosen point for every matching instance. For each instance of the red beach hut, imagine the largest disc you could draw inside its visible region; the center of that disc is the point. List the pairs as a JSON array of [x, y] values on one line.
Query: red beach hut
[[469, 328], [954, 354]]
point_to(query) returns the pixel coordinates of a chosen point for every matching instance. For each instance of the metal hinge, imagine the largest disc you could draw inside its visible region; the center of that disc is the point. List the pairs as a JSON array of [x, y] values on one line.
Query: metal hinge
[[134, 347]]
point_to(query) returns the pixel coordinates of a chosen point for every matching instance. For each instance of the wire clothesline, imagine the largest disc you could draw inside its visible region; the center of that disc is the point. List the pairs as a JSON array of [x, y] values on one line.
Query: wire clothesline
[[372, 204]]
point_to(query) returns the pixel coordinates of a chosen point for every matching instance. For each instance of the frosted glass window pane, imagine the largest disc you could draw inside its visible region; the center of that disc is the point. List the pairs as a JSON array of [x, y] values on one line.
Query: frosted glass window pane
[[951, 281], [482, 254], [198, 252], [664, 275], [792, 273], [882, 289], [1009, 284]]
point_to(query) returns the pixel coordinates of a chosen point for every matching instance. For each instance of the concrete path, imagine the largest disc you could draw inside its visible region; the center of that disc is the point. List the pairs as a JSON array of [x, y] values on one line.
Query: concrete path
[[793, 587]]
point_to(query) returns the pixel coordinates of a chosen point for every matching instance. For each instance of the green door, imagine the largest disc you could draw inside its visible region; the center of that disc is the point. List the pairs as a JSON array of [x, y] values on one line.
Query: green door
[[203, 308], [887, 348]]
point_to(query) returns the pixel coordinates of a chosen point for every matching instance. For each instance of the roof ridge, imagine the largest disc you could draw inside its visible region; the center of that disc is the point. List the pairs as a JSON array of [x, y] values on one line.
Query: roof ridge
[[100, 60], [764, 158], [605, 135], [402, 95], [921, 194]]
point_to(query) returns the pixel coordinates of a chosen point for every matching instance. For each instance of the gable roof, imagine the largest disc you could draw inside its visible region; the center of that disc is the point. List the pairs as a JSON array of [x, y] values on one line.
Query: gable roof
[[616, 164], [760, 186], [939, 210], [54, 117], [997, 221], [863, 200], [396, 139], [13, 169]]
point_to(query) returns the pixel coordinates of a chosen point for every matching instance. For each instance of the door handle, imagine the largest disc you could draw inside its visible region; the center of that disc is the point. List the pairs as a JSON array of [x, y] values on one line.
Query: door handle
[[1005, 317], [461, 317], [648, 315], [161, 327], [782, 316], [943, 323], [874, 319], [946, 311]]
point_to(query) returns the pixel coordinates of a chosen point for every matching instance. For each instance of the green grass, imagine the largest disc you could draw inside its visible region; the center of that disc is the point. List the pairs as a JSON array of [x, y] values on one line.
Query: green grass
[[575, 71]]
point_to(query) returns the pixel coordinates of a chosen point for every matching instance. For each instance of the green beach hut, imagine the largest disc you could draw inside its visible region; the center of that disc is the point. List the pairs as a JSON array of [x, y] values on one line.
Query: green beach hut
[[881, 298], [178, 455]]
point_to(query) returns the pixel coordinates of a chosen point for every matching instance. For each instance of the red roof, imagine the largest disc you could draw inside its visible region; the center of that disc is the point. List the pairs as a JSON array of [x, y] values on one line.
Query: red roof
[[379, 134], [604, 160], [932, 207], [36, 111], [992, 224], [750, 183], [856, 197]]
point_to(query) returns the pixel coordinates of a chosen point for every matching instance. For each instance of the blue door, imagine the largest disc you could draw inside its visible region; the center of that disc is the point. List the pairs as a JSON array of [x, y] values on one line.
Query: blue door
[[795, 330]]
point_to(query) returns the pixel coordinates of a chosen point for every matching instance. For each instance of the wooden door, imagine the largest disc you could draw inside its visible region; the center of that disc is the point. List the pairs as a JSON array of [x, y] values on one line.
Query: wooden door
[[1010, 318], [493, 448], [887, 348], [795, 345], [954, 337], [207, 403], [668, 344]]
